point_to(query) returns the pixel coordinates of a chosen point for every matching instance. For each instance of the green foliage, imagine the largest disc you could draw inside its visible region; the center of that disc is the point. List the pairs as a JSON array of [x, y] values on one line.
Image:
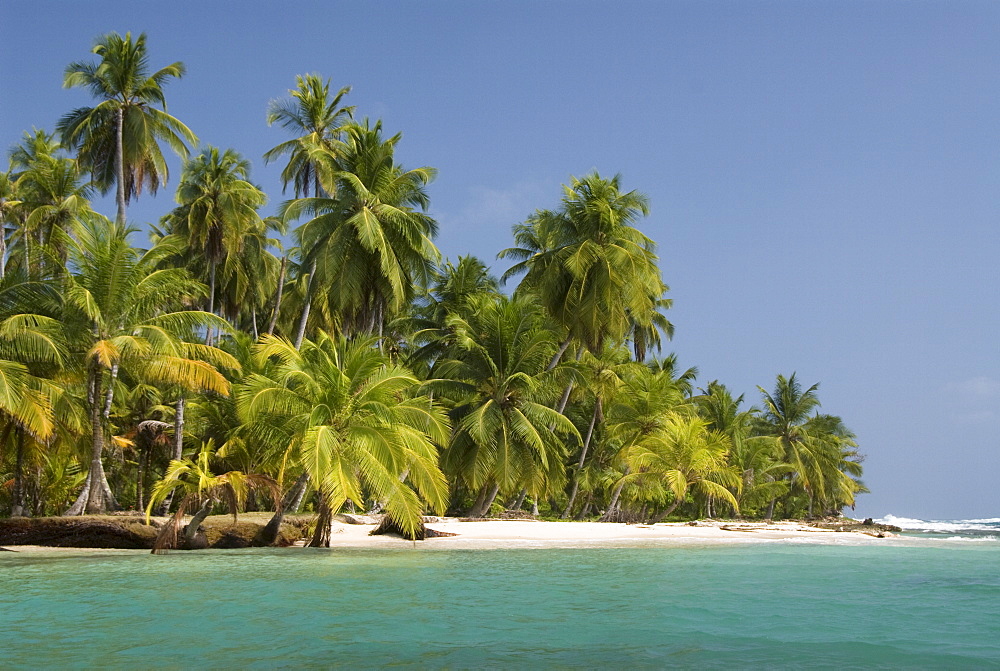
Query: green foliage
[[363, 368]]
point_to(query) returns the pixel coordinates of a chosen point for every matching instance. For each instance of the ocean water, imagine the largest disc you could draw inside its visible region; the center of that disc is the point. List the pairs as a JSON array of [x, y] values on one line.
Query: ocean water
[[908, 602]]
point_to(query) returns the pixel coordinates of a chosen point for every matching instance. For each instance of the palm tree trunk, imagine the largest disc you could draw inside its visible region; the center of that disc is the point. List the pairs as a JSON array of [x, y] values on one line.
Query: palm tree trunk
[[191, 530], [485, 499], [559, 353], [321, 537], [120, 165], [253, 321], [583, 458], [17, 496], [291, 503], [277, 296], [140, 478], [96, 496], [209, 336], [178, 452], [3, 250], [301, 334], [615, 495], [519, 499], [662, 516]]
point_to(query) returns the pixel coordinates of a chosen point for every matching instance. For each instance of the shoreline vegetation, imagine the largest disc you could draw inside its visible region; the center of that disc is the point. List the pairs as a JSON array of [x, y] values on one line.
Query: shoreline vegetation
[[327, 359]]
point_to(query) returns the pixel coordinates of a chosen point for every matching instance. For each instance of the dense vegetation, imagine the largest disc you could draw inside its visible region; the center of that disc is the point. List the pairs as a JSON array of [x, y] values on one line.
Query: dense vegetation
[[353, 367]]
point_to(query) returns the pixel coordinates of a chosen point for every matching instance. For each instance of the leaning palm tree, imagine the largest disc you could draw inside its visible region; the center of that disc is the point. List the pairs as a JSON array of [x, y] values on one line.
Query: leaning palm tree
[[318, 120], [125, 312], [118, 139], [199, 484], [352, 421]]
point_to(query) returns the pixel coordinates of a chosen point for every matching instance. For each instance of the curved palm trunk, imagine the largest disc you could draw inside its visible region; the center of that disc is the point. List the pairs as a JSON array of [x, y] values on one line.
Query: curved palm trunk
[[291, 503], [485, 500], [615, 495], [191, 530], [301, 334], [120, 165], [583, 457], [3, 251], [666, 513], [277, 296]]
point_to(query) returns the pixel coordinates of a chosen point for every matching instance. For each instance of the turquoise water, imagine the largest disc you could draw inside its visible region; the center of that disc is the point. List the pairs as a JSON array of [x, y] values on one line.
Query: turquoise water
[[926, 604]]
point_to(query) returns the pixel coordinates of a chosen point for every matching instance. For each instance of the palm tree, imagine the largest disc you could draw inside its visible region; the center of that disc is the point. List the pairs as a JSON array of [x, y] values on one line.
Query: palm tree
[[350, 419], [592, 270], [370, 245], [506, 437], [52, 201], [649, 398], [123, 311], [197, 481], [217, 210], [118, 139], [819, 449], [682, 455], [318, 121]]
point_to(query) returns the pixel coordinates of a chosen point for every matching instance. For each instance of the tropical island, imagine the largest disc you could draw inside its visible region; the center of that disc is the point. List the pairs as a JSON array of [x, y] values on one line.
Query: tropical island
[[326, 362]]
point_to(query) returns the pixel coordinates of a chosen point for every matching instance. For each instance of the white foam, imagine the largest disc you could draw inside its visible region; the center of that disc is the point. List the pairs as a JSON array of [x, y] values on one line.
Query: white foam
[[941, 526]]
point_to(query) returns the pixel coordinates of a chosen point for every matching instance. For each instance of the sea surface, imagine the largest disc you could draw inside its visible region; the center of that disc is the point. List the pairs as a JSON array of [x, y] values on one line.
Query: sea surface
[[929, 599]]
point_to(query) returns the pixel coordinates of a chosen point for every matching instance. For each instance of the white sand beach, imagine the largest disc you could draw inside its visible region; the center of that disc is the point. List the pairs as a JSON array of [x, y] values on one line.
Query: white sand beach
[[533, 533]]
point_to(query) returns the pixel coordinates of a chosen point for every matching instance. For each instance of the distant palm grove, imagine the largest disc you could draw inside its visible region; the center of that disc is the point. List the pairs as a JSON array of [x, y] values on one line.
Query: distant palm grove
[[328, 359]]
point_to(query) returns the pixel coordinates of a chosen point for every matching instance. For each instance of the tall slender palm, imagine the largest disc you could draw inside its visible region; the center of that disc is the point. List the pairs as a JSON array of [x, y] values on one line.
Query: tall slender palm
[[352, 421], [317, 119], [118, 139], [506, 437], [801, 437], [124, 312], [217, 210], [370, 246]]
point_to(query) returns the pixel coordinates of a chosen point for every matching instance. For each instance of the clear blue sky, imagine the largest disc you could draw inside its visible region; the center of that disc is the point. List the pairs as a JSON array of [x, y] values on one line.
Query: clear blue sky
[[824, 176]]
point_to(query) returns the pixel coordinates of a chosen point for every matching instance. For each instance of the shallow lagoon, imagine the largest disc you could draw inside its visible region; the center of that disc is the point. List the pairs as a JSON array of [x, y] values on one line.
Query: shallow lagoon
[[932, 604]]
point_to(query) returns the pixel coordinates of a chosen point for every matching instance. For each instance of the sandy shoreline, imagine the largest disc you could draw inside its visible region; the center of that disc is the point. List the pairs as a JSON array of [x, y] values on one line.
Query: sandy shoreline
[[531, 533], [497, 534]]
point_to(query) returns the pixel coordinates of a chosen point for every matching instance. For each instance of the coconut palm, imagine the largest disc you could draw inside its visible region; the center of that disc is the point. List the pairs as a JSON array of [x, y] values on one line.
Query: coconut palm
[[683, 454], [370, 246], [349, 418], [52, 200], [318, 120], [125, 312], [506, 437], [197, 481], [118, 139], [819, 449], [217, 210], [639, 413], [592, 270]]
